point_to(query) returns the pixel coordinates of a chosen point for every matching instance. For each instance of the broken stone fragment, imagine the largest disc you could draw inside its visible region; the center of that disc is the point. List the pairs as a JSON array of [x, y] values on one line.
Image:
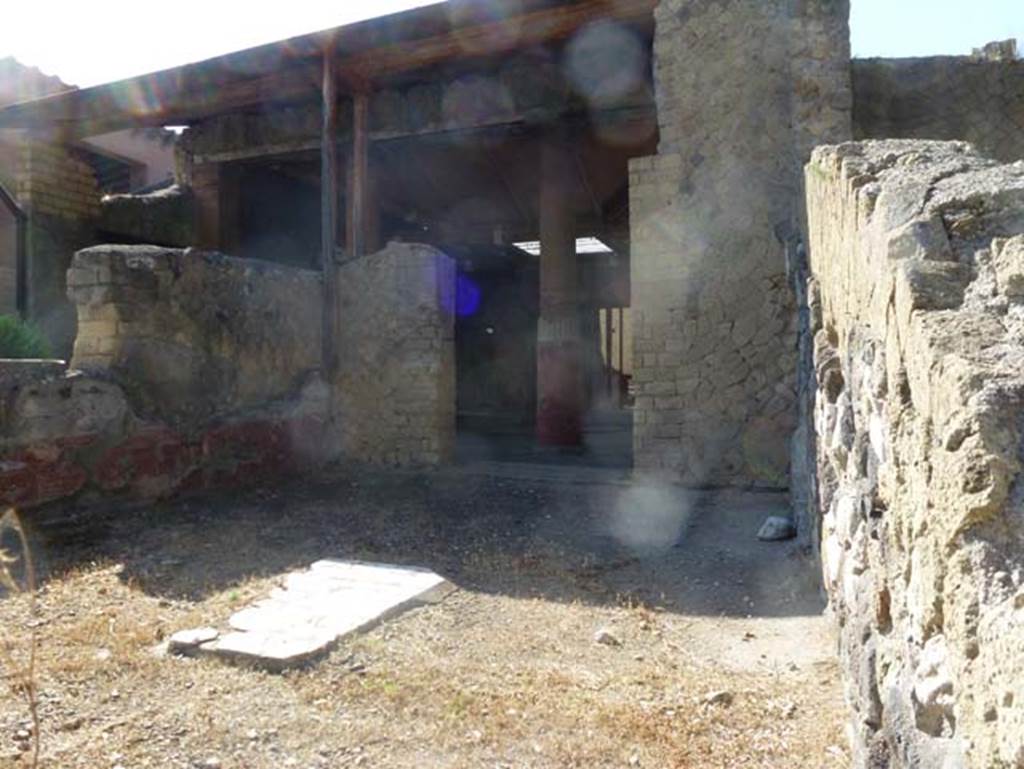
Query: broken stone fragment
[[723, 698], [188, 641], [313, 609], [1008, 261], [776, 529], [606, 637], [933, 698]]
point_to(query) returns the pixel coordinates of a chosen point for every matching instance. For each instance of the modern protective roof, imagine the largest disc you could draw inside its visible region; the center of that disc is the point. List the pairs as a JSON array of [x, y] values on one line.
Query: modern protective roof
[[365, 53]]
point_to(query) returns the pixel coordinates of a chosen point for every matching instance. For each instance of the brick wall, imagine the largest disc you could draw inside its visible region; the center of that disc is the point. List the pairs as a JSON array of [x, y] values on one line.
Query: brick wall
[[396, 381], [59, 193], [942, 97], [53, 180], [743, 90]]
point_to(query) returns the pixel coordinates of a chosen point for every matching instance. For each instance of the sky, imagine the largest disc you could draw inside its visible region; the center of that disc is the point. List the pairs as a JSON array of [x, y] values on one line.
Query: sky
[[86, 43]]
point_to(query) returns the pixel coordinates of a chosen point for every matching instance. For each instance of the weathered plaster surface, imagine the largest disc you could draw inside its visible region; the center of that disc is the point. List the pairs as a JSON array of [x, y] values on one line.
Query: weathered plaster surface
[[194, 370]]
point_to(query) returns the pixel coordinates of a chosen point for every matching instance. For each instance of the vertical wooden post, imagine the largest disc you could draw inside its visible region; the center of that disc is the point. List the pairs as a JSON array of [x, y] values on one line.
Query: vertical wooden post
[[559, 356], [622, 354], [609, 361], [329, 215], [206, 187], [359, 171]]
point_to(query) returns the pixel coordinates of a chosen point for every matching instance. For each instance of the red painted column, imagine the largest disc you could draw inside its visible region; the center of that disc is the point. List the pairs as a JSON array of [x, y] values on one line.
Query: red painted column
[[559, 356]]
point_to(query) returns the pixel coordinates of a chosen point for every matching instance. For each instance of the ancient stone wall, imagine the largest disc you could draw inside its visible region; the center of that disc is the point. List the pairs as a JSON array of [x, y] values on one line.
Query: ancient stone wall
[[72, 436], [163, 218], [54, 181], [917, 253], [942, 97], [190, 334], [744, 91], [396, 380], [59, 192], [193, 370]]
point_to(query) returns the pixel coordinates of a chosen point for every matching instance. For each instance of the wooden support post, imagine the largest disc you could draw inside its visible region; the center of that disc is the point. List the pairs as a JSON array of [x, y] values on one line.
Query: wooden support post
[[329, 215], [559, 355], [216, 187], [358, 175], [206, 189], [622, 355], [609, 367]]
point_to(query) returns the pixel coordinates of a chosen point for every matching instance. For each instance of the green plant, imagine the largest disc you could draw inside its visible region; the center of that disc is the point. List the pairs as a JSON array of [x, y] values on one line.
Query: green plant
[[19, 670], [19, 339]]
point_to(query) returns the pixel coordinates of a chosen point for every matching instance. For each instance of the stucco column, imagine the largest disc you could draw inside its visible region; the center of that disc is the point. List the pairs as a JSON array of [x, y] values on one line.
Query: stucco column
[[559, 372]]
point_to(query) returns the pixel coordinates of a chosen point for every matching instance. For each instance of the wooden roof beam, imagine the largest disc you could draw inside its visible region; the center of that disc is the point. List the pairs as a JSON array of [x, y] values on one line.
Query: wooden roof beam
[[194, 91]]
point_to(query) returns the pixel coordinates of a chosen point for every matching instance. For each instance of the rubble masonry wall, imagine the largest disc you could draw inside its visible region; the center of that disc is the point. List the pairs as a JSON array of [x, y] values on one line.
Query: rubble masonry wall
[[917, 297]]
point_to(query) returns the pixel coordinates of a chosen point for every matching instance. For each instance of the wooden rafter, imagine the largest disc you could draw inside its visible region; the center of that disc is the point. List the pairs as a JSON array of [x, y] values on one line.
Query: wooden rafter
[[329, 218], [194, 91]]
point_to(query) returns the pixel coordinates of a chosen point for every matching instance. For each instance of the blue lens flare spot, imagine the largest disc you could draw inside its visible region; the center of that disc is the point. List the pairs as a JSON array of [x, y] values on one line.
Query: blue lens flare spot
[[467, 297]]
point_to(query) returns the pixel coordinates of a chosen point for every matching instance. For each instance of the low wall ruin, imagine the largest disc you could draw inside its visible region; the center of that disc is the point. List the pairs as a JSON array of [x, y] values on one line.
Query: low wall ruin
[[190, 334], [193, 370], [917, 254], [396, 373], [77, 436]]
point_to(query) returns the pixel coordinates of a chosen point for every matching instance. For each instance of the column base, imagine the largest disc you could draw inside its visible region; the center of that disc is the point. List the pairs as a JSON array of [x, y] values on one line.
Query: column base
[[559, 394]]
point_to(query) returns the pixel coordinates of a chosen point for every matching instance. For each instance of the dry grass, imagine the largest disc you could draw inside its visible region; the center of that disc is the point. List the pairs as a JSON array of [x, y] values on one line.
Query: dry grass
[[507, 676], [476, 681], [19, 645]]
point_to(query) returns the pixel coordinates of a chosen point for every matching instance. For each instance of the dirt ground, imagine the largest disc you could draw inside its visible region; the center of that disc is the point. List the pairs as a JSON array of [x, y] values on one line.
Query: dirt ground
[[505, 672]]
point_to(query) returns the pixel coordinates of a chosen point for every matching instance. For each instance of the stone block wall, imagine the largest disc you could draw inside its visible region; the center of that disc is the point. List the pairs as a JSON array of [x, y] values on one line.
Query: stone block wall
[[54, 181], [193, 370], [917, 253], [59, 192], [744, 90], [190, 334], [164, 218], [942, 97], [396, 379]]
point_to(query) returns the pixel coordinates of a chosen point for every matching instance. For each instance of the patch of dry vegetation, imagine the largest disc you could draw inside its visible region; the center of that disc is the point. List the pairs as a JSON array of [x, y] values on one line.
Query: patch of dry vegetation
[[19, 645], [479, 680], [503, 673]]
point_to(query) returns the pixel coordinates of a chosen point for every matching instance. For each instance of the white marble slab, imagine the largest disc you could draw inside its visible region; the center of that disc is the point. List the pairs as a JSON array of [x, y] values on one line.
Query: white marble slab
[[318, 607]]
